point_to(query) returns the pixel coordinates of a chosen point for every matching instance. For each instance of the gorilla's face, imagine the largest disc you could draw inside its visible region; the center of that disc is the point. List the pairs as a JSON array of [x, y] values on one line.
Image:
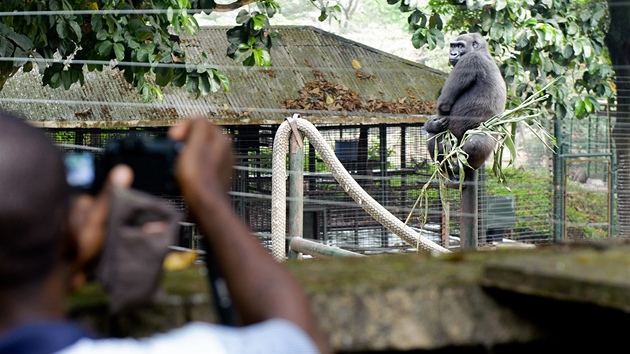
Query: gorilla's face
[[464, 44], [458, 49]]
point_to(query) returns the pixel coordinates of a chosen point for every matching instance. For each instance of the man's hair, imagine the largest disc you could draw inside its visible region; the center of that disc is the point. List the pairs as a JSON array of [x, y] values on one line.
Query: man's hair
[[34, 202]]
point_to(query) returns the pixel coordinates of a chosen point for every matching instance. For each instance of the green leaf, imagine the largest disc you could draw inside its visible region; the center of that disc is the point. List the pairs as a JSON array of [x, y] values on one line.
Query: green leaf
[[129, 76], [509, 143], [436, 21], [144, 33], [586, 47], [27, 67], [145, 91], [236, 35], [132, 44], [486, 20], [192, 84], [242, 17], [323, 15], [156, 90], [55, 80], [417, 18], [76, 29], [66, 77], [419, 38], [4, 48], [145, 52], [435, 38], [179, 77], [104, 48], [580, 108], [497, 31], [204, 85], [242, 54], [102, 35], [265, 58], [588, 105], [577, 48], [169, 14], [567, 53], [257, 24], [250, 60], [117, 37], [62, 29], [225, 83], [97, 23], [119, 51], [521, 39], [463, 159], [530, 22]]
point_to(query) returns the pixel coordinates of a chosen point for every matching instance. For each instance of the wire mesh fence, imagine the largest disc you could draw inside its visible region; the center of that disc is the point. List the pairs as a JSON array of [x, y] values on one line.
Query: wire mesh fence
[[391, 163]]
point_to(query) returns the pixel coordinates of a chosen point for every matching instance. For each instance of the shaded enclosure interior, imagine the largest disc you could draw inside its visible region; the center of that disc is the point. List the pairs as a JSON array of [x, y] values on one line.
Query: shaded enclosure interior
[[391, 163]]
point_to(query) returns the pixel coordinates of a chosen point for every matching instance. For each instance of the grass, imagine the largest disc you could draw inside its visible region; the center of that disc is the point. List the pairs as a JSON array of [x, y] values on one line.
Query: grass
[[533, 195], [533, 191]]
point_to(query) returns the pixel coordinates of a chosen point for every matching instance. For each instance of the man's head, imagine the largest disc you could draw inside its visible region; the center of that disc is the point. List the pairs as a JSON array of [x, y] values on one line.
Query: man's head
[[34, 203]]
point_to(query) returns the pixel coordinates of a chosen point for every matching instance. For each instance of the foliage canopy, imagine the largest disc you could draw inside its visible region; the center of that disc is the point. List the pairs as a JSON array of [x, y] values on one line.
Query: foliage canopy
[[62, 36], [536, 41]]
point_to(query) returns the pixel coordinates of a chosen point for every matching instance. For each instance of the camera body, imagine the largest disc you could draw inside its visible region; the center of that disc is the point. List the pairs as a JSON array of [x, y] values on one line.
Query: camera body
[[151, 159]]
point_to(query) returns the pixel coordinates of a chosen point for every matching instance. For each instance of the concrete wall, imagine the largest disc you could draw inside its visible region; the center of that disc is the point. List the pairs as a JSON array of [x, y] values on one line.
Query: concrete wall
[[560, 297]]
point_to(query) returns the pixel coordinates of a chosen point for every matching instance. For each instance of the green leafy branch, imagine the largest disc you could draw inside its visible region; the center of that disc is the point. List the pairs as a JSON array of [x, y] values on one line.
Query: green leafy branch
[[145, 46], [251, 41]]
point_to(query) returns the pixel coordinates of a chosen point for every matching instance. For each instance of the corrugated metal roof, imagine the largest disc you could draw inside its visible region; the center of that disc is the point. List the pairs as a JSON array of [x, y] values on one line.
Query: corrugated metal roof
[[256, 96]]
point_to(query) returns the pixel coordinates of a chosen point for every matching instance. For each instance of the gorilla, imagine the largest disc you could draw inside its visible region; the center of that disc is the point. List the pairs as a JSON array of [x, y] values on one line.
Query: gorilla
[[473, 92]]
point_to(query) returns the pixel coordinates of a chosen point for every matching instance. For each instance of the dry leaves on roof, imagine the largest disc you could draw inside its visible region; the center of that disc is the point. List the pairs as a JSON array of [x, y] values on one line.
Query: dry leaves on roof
[[323, 95]]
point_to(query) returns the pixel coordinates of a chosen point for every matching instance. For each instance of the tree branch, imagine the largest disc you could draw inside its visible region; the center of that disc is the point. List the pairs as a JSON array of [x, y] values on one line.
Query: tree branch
[[233, 6]]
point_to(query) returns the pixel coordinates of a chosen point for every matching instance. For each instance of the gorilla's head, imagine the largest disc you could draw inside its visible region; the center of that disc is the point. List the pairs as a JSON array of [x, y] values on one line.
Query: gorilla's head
[[464, 44]]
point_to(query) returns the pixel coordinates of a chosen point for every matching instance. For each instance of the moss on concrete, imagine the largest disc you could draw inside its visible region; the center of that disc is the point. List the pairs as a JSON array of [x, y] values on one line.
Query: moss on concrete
[[418, 301]]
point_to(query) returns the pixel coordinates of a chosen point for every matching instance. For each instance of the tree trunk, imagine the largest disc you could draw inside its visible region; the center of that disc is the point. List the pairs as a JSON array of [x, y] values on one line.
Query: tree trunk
[[619, 47]]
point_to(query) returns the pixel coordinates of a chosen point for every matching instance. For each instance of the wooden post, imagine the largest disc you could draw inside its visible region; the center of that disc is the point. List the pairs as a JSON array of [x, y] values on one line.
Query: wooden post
[[296, 190], [469, 214]]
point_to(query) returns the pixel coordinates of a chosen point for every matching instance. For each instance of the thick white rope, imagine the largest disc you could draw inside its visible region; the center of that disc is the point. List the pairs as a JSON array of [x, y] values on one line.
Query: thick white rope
[[371, 206]]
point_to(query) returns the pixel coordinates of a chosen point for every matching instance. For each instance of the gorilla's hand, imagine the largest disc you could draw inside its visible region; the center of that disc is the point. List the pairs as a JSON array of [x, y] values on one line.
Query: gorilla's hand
[[436, 124]]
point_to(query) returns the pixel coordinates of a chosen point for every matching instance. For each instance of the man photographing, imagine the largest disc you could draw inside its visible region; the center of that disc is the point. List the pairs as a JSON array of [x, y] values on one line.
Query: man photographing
[[48, 238]]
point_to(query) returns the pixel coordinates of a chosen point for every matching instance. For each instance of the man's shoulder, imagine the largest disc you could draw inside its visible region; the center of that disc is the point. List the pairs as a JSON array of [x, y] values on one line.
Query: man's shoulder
[[180, 340], [272, 336]]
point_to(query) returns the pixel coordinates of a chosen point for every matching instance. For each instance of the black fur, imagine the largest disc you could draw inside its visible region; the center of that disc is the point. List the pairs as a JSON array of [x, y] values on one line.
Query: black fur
[[473, 93]]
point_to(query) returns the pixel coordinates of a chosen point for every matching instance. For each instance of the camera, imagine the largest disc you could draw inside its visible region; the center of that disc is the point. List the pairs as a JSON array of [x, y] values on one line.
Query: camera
[[151, 159]]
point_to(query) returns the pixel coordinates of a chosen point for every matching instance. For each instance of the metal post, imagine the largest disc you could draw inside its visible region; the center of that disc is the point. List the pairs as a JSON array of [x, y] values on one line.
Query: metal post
[[403, 161], [469, 215], [296, 190], [384, 180], [558, 183], [482, 203], [312, 183]]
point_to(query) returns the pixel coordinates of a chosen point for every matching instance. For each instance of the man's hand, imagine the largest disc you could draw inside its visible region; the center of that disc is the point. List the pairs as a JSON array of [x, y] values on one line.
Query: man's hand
[[206, 161], [88, 222]]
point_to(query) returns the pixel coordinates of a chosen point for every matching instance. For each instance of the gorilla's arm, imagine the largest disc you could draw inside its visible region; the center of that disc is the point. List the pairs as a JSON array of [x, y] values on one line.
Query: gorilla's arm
[[462, 77]]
